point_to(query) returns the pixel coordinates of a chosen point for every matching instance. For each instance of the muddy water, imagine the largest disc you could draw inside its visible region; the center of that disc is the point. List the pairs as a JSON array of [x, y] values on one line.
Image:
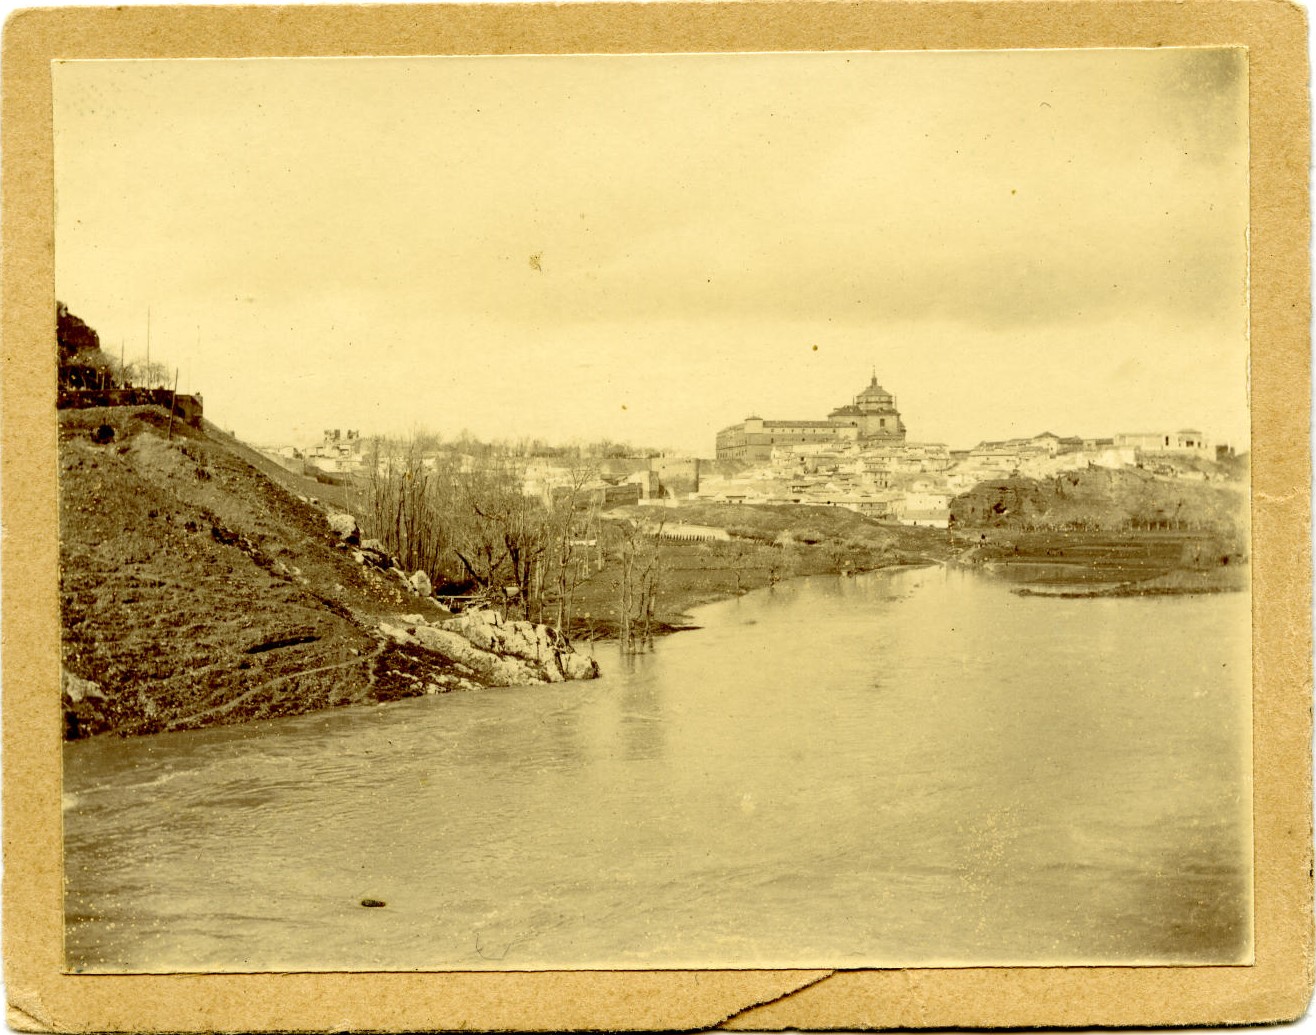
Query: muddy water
[[906, 768]]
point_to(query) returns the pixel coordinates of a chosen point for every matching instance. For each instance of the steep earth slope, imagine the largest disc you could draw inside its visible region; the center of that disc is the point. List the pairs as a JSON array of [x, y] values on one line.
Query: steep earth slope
[[195, 591]]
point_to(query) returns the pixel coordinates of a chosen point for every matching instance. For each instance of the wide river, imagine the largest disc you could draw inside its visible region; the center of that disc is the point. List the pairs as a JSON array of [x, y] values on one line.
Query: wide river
[[915, 767]]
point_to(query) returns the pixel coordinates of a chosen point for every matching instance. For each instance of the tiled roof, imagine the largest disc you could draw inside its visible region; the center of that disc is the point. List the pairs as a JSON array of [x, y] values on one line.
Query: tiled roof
[[798, 424]]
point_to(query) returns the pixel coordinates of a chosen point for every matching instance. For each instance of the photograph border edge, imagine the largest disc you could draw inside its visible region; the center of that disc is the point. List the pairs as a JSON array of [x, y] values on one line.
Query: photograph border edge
[[1276, 987]]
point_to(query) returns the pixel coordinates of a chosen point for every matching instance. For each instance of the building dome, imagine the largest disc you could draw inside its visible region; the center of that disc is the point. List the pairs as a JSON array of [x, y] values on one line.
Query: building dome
[[874, 412], [874, 393]]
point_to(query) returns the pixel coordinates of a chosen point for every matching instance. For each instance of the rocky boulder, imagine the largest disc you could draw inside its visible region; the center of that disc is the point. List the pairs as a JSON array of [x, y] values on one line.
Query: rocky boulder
[[373, 553], [77, 689], [84, 705], [544, 647], [344, 526], [577, 666], [499, 652], [490, 667]]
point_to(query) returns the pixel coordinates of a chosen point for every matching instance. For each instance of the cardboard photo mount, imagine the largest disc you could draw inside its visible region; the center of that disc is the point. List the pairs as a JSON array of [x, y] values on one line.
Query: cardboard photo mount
[[1276, 987]]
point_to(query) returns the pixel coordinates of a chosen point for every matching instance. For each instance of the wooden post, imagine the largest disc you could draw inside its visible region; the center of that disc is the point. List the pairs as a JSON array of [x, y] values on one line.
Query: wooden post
[[173, 402]]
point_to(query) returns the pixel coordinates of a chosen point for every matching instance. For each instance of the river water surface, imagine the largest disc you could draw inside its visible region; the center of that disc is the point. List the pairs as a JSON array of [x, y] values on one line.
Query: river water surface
[[915, 767]]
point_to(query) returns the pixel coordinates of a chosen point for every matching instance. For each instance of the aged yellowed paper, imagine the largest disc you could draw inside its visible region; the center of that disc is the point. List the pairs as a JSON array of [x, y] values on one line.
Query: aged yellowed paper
[[1018, 773]]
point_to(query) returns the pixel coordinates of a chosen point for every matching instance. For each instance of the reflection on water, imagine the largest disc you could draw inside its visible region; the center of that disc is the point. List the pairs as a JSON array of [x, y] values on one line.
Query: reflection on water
[[905, 768]]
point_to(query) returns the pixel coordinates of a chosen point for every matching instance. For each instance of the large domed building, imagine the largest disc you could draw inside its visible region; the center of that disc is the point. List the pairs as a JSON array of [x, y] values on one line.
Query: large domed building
[[873, 411], [869, 419]]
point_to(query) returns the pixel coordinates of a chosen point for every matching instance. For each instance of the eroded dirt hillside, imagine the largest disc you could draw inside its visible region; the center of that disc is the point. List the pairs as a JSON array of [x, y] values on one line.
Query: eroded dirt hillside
[[195, 591]]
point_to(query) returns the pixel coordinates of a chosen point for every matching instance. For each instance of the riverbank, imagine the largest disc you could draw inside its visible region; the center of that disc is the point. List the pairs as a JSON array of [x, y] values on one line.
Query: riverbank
[[765, 545], [195, 591], [1105, 533], [770, 544], [1102, 564], [1233, 579]]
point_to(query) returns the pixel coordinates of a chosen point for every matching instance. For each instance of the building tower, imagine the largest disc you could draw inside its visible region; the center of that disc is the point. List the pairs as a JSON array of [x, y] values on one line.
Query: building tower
[[873, 411]]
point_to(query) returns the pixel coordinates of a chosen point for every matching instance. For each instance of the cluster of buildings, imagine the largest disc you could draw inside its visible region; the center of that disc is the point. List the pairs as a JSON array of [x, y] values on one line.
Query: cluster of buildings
[[343, 454], [340, 452], [869, 419], [859, 457]]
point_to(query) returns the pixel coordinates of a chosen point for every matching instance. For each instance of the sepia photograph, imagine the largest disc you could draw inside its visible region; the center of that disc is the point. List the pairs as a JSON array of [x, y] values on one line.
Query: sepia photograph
[[655, 511]]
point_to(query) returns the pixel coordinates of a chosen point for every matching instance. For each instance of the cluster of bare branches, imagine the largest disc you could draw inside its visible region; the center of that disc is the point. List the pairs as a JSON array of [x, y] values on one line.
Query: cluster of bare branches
[[470, 524], [639, 565], [400, 505]]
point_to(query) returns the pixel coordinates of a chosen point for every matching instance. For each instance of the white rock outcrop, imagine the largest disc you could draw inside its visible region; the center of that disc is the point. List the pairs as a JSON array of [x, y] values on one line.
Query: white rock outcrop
[[540, 645], [77, 689], [501, 653], [344, 525], [490, 667]]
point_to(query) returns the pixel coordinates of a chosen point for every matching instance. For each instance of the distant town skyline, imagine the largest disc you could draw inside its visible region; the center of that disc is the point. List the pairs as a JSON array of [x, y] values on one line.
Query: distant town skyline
[[649, 248]]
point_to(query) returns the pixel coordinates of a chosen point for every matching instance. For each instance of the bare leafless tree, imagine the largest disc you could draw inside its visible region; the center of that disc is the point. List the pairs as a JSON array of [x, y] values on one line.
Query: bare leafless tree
[[639, 566]]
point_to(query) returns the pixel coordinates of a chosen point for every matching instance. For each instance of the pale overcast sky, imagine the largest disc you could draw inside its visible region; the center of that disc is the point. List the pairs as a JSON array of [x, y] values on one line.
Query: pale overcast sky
[[649, 248]]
